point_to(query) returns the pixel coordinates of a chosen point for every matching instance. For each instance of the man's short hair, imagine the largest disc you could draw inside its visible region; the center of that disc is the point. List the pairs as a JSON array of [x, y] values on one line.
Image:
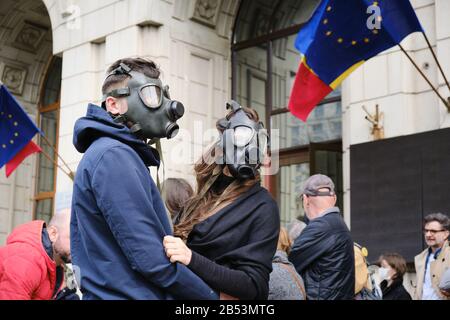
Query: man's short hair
[[147, 67], [443, 219]]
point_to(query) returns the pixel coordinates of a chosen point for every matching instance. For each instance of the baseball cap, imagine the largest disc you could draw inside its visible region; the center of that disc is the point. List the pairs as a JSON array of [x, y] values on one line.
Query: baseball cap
[[317, 182]]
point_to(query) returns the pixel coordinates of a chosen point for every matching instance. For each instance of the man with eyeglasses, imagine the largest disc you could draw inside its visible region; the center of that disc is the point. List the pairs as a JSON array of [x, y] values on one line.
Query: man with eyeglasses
[[433, 261], [323, 253]]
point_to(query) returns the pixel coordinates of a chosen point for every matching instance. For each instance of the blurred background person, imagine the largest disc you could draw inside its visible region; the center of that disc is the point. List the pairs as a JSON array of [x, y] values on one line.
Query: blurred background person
[[432, 262], [285, 283], [323, 253], [366, 287], [32, 262], [295, 227], [391, 272]]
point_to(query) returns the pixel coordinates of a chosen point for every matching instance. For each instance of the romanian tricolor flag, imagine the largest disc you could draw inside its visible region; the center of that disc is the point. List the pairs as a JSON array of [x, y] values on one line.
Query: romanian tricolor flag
[[340, 36]]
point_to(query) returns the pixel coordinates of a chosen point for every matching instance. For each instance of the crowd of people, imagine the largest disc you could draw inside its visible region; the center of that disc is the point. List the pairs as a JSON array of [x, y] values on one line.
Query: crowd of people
[[220, 240]]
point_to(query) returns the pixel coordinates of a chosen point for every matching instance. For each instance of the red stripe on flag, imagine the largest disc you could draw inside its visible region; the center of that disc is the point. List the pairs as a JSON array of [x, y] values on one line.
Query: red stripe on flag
[[20, 156], [307, 92]]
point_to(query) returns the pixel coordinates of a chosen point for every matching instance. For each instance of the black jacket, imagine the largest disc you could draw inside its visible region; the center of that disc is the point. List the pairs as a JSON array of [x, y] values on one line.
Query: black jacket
[[232, 250], [395, 291], [323, 254]]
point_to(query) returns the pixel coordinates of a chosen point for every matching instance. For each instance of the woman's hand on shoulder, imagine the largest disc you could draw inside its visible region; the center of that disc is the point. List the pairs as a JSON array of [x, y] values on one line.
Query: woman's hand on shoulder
[[176, 250]]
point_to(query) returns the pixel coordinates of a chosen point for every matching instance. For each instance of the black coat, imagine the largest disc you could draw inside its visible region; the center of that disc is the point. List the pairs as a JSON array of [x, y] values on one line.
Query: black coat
[[323, 254], [232, 250], [396, 291]]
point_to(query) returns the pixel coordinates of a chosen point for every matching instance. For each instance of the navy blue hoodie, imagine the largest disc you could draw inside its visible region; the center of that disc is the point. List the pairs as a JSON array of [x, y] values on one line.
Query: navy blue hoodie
[[119, 220]]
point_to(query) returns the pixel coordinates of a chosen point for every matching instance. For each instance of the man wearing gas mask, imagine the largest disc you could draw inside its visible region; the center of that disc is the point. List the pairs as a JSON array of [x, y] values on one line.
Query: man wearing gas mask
[[118, 218], [228, 232]]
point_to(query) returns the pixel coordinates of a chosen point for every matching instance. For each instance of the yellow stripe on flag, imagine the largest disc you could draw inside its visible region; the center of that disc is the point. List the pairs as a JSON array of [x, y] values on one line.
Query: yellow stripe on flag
[[344, 75], [307, 67]]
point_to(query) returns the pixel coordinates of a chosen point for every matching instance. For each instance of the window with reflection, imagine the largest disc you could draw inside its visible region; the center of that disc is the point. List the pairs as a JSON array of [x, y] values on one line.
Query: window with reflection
[[48, 121], [291, 181], [251, 79], [264, 66]]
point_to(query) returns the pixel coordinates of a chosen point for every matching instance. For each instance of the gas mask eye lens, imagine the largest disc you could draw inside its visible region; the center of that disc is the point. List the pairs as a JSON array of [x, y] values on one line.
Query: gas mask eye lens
[[151, 96], [242, 136]]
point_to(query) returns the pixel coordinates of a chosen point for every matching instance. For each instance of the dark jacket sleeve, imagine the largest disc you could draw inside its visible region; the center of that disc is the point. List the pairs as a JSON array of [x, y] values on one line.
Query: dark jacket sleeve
[[121, 187], [312, 243], [248, 278]]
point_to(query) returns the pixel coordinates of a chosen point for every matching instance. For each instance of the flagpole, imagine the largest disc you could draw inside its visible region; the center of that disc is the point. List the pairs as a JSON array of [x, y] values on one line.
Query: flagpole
[[12, 200], [70, 174], [436, 59], [446, 103]]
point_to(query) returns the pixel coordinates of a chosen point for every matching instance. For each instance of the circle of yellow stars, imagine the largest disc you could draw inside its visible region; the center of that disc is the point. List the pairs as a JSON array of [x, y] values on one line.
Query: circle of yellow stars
[[14, 123], [353, 42]]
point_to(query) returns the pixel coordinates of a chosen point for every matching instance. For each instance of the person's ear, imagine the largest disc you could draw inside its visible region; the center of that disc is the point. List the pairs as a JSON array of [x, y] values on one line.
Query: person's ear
[[305, 200], [52, 233], [112, 105]]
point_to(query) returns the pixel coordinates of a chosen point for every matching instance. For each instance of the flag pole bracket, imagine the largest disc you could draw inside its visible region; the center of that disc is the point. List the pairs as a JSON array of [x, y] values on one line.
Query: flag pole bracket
[[376, 121]]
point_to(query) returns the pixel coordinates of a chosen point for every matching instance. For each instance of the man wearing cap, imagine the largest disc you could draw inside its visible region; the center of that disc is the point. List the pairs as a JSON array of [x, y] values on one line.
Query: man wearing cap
[[323, 253]]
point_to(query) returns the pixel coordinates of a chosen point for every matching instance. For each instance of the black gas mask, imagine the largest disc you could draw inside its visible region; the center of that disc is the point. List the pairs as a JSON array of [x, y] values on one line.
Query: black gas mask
[[244, 142], [151, 112]]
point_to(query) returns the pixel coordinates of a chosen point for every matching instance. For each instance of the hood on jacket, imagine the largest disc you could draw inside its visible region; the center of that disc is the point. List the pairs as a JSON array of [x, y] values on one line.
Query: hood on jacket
[[31, 233], [98, 123]]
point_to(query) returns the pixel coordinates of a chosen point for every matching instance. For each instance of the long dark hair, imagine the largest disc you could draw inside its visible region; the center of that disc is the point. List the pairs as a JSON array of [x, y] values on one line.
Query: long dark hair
[[209, 203], [176, 193]]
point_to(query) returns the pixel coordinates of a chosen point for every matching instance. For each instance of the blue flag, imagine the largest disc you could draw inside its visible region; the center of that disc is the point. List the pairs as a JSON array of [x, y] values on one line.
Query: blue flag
[[16, 128], [340, 36]]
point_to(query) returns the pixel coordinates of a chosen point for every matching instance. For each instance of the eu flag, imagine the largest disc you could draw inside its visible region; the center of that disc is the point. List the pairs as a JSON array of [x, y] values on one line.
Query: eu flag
[[16, 132], [340, 36]]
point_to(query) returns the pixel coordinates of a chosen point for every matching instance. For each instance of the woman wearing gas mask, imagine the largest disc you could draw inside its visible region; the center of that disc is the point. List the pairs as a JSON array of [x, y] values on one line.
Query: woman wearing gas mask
[[227, 233]]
